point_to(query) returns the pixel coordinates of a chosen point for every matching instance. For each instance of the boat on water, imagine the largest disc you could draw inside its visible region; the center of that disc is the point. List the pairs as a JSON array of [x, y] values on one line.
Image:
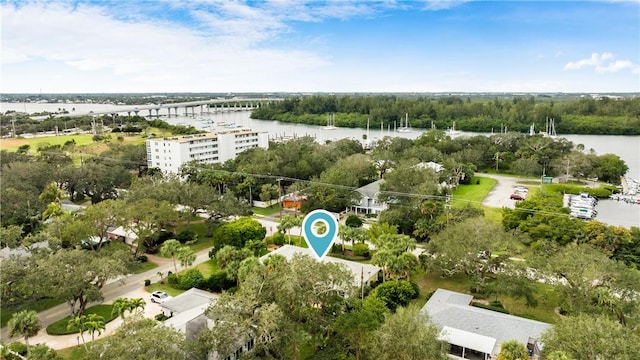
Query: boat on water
[[550, 128], [452, 130], [406, 128], [331, 123]]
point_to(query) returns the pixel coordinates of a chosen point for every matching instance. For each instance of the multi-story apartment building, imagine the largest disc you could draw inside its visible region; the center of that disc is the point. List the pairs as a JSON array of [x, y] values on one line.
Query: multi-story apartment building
[[168, 154]]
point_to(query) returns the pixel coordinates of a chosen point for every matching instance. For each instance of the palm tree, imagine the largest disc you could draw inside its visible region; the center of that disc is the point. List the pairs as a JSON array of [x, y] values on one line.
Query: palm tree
[[513, 350], [137, 305], [287, 223], [79, 323], [94, 323], [170, 249], [120, 307], [186, 256], [24, 323]]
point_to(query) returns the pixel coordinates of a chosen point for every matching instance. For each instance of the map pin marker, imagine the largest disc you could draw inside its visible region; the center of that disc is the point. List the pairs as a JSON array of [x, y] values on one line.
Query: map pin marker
[[319, 243]]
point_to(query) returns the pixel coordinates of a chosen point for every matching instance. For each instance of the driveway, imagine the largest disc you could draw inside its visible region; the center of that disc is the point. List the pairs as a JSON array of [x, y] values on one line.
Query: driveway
[[498, 197]]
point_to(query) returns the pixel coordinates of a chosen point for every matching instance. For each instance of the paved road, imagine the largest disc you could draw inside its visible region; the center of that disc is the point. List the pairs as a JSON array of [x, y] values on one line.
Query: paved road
[[499, 196], [129, 286]]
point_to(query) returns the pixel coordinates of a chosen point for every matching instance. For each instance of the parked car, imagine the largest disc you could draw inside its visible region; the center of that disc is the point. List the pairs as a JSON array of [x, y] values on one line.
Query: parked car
[[516, 197], [521, 189], [160, 297]]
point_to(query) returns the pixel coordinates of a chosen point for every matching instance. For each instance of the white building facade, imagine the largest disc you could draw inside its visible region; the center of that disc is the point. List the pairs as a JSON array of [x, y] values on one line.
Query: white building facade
[[168, 154]]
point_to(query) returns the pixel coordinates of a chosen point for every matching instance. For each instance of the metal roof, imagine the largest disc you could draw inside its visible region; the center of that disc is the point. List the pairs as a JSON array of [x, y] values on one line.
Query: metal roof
[[451, 309]]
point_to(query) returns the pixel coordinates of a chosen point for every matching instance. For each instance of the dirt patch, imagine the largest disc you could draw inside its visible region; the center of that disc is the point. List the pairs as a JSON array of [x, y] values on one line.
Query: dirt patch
[[6, 143]]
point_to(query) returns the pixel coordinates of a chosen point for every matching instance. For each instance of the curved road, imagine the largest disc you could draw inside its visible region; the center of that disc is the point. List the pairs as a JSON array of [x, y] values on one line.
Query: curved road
[[131, 284], [499, 196]]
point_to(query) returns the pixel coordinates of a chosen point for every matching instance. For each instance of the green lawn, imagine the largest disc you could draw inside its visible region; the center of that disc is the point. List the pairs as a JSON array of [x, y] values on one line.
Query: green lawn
[[6, 312], [270, 211], [473, 193], [493, 214], [60, 327], [145, 266], [545, 294], [73, 353], [163, 287], [208, 267]]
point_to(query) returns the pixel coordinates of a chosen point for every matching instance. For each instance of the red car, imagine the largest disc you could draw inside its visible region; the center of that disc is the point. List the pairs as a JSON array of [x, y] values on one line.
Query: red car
[[516, 197]]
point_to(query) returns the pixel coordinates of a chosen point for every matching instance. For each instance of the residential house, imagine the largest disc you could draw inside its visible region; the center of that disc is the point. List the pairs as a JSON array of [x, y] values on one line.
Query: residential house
[[476, 333], [187, 315], [369, 203]]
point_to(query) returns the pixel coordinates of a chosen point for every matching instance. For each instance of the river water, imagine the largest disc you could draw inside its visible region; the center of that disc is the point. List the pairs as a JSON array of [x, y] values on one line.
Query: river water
[[611, 212]]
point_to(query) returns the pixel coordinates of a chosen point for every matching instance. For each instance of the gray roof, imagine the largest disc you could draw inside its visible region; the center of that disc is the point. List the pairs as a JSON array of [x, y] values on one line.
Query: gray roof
[[190, 299], [358, 270], [452, 310], [371, 190]]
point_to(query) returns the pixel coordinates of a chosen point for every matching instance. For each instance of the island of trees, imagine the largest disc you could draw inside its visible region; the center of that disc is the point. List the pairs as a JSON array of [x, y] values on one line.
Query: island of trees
[[604, 116]]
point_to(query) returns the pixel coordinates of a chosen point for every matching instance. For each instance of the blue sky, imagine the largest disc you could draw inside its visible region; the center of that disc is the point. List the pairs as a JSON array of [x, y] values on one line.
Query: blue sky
[[320, 46]]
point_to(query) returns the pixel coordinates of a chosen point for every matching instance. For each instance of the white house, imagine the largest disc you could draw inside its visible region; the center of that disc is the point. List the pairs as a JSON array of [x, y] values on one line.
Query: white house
[[168, 154], [477, 333], [369, 203]]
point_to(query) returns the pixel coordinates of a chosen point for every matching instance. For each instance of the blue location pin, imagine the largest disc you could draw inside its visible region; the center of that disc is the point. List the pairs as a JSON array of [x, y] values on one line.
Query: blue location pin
[[320, 243]]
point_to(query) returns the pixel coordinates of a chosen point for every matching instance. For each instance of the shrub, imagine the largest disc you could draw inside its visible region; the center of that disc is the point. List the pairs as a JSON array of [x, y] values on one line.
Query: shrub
[[361, 250], [18, 347], [218, 281], [161, 317], [186, 235], [173, 280], [336, 249], [142, 258], [153, 242], [353, 221], [395, 293], [147, 282], [192, 278], [278, 238]]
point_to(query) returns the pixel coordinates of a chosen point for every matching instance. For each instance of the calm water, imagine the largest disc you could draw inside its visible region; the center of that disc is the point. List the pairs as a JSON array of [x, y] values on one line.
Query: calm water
[[611, 212]]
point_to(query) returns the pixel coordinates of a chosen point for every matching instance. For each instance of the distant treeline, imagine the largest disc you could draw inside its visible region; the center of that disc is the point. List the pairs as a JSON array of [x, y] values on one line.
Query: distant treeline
[[605, 116], [128, 124]]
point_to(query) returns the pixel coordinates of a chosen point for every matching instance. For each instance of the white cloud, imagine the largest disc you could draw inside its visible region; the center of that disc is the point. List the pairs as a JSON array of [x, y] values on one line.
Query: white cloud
[[436, 5], [603, 63]]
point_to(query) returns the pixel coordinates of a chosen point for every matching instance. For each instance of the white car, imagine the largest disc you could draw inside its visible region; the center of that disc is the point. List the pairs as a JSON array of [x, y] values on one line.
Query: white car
[[160, 297]]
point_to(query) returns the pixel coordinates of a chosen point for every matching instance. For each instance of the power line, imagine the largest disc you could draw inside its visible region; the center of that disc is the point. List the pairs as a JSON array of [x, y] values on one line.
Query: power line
[[447, 198]]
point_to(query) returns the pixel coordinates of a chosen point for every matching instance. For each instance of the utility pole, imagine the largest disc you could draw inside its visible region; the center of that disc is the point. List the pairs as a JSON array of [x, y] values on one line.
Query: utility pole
[[497, 158], [280, 195]]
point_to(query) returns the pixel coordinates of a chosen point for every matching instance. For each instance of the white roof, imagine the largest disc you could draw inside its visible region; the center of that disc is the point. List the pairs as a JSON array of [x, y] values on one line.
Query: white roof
[[358, 270], [452, 309], [468, 340], [190, 299], [120, 231]]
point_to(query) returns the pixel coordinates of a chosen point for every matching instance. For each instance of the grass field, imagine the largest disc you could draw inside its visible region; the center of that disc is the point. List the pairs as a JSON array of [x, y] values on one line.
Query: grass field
[[84, 142], [473, 193], [60, 327]]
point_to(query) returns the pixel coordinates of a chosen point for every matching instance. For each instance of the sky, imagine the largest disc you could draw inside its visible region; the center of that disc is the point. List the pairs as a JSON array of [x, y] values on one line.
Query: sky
[[319, 46]]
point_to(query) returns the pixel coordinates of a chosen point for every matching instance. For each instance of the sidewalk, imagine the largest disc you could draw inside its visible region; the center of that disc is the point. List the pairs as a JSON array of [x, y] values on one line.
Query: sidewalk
[[133, 287]]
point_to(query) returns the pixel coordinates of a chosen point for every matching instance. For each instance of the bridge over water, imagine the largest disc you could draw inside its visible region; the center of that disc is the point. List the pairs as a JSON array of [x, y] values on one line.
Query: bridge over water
[[198, 106]]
